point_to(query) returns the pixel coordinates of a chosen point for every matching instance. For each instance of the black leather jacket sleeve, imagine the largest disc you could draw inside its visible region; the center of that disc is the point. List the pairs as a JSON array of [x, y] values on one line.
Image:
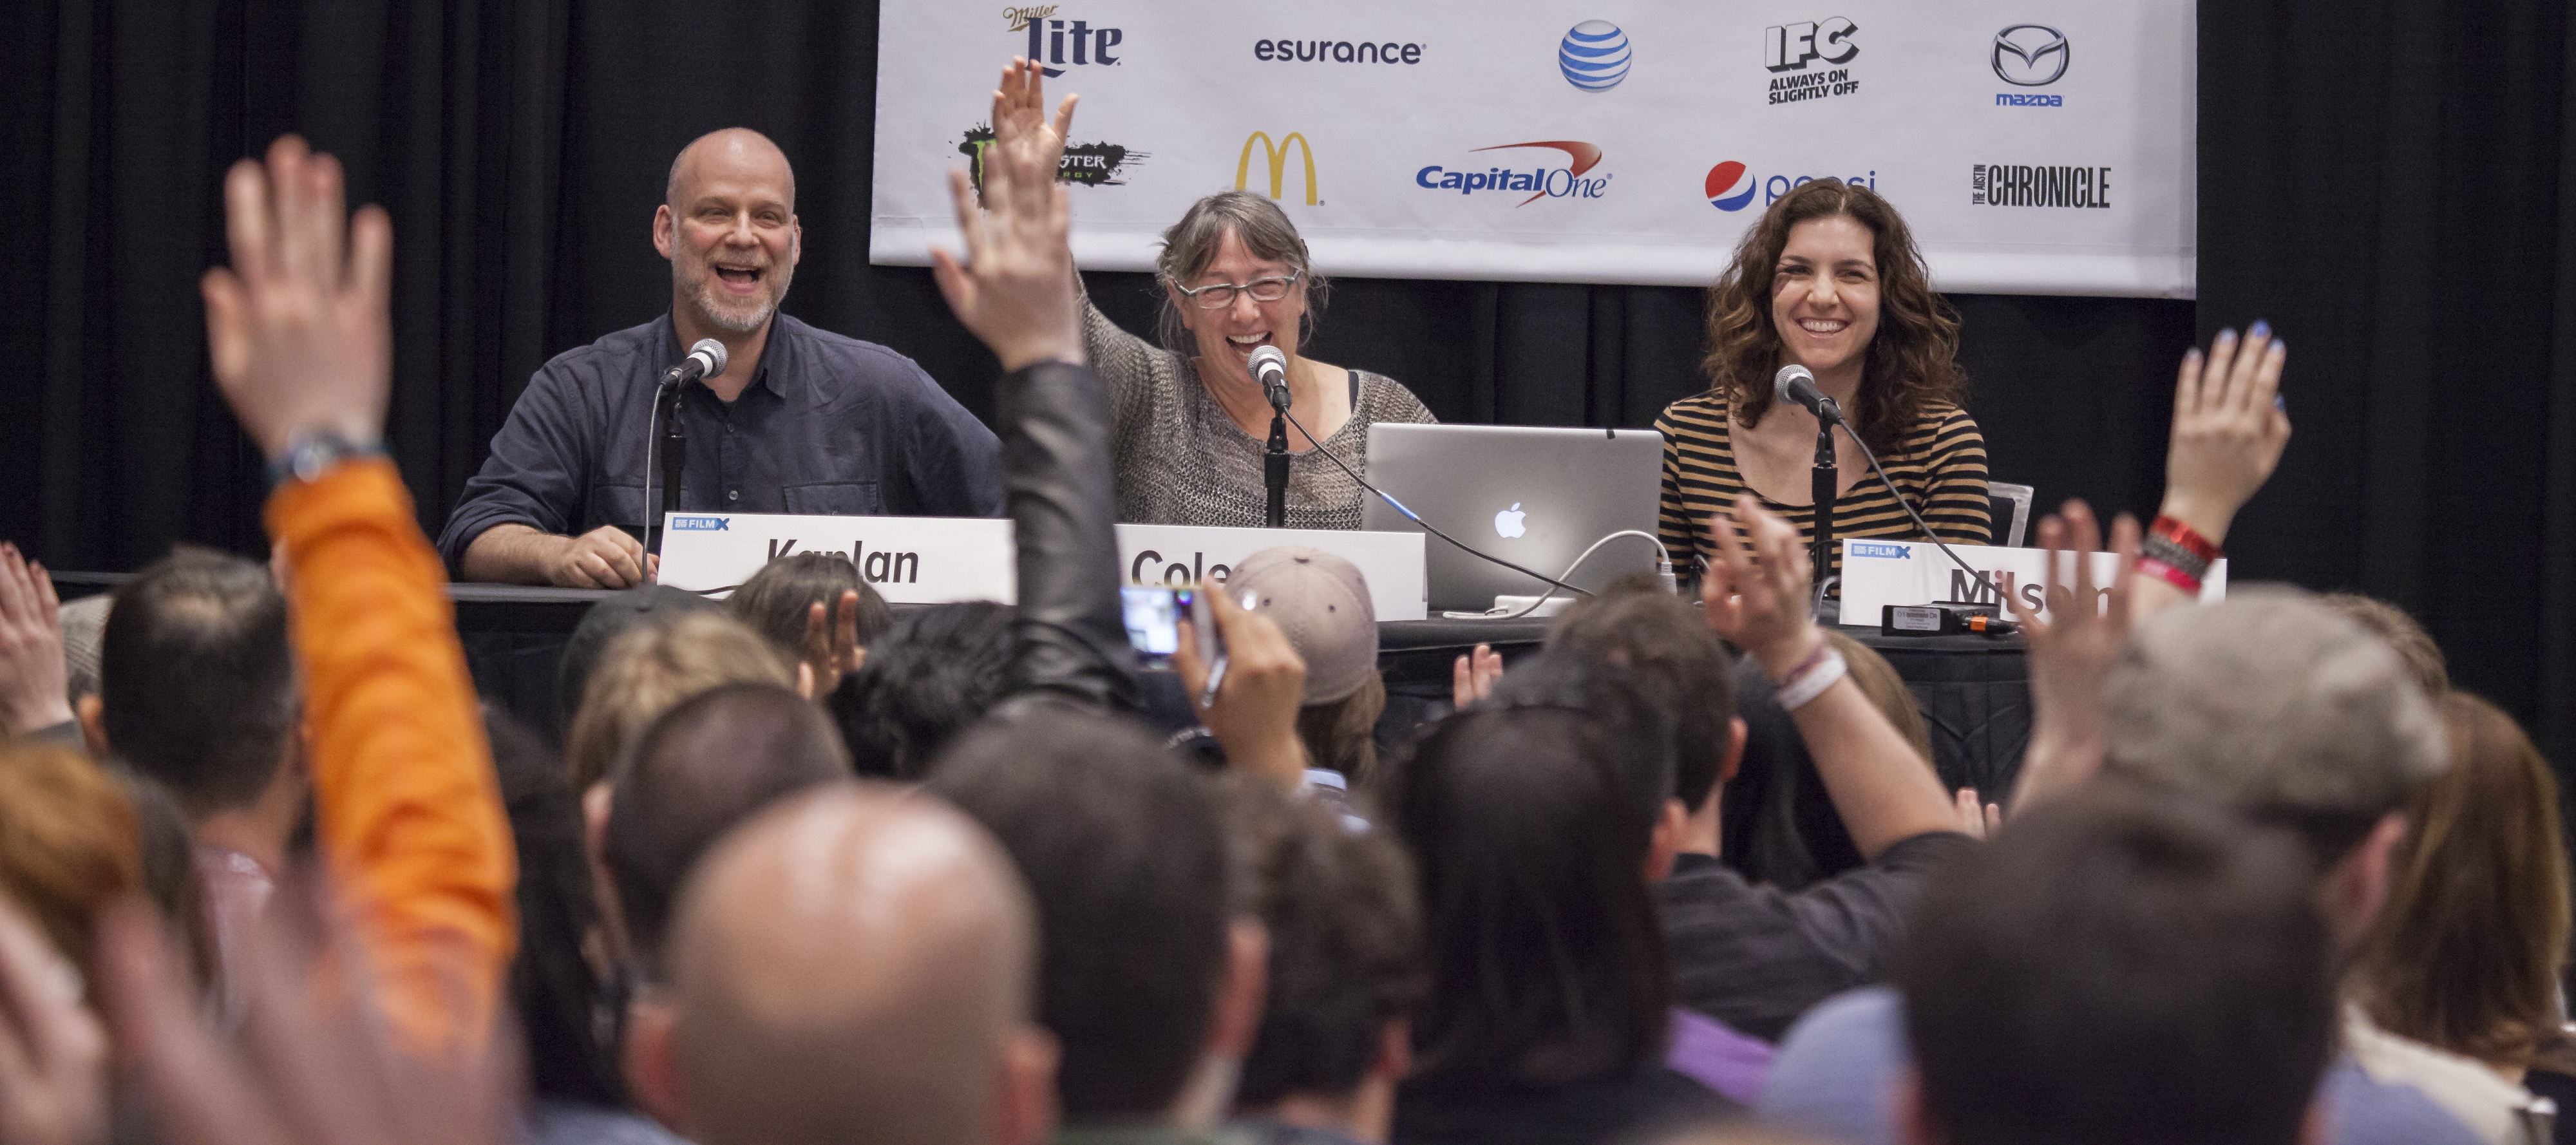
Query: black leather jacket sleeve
[[1069, 640]]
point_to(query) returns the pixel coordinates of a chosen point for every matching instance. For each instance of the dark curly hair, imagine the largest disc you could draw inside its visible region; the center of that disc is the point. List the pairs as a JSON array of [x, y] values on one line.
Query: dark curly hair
[[1913, 361]]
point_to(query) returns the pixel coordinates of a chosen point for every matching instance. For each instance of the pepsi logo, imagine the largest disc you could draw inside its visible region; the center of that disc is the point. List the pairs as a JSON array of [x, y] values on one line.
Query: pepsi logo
[[1594, 55], [1731, 186]]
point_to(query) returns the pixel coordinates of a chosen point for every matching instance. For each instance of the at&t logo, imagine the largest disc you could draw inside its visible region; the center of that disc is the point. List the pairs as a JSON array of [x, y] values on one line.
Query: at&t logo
[[1594, 55], [1278, 156], [1048, 39]]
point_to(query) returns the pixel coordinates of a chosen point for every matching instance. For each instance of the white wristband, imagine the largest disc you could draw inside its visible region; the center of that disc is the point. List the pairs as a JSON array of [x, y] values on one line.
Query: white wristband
[[1813, 682]]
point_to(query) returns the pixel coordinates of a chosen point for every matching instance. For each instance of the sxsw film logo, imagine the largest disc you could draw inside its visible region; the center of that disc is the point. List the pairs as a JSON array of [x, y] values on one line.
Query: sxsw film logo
[[1797, 48], [1567, 182], [1593, 55], [1884, 552], [1048, 38], [701, 524], [1087, 164], [1278, 156], [2012, 185], [1730, 186], [1509, 523]]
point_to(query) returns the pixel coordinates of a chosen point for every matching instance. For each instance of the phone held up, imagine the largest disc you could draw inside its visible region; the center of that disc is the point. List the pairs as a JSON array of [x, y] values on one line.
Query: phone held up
[[1154, 614]]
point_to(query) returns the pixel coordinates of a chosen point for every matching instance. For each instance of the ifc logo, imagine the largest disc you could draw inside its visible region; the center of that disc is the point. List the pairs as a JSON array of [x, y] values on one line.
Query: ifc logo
[[1594, 55]]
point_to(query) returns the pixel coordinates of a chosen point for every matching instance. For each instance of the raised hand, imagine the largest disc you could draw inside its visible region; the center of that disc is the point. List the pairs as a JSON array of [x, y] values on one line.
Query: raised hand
[[2227, 432], [1020, 118], [2071, 654], [1474, 676], [32, 674], [1755, 594], [298, 326], [1016, 289], [832, 647], [1254, 714]]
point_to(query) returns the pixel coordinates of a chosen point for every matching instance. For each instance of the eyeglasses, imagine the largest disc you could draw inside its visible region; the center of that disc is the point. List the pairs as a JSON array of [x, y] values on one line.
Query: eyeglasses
[[1219, 295]]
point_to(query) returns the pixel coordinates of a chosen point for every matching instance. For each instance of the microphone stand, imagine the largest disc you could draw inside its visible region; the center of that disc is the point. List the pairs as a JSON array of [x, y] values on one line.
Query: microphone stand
[[1825, 480], [674, 458], [1274, 467]]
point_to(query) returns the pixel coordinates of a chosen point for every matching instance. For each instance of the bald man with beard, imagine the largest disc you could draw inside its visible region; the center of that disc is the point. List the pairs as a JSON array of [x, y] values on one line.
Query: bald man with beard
[[858, 966], [800, 421]]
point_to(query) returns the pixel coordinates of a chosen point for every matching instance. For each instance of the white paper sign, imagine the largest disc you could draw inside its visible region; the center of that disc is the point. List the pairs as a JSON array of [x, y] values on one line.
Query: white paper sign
[[1877, 573], [909, 560], [1391, 563]]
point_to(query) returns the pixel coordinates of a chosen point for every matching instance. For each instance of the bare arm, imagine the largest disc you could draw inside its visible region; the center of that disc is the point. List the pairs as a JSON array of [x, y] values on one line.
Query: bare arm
[[1884, 792], [2071, 655], [2227, 438], [605, 557]]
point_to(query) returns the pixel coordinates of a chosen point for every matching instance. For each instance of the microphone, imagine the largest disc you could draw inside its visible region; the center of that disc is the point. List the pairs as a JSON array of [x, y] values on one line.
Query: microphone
[[706, 358], [1796, 383], [1270, 368]]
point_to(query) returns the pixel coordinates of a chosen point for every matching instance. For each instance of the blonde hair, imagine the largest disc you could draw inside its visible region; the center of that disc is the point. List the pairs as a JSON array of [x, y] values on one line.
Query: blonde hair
[[69, 842], [645, 673], [1886, 691]]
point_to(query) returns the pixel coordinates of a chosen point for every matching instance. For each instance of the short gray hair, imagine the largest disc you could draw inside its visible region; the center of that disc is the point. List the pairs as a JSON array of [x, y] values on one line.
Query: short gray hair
[[1190, 245], [2275, 704]]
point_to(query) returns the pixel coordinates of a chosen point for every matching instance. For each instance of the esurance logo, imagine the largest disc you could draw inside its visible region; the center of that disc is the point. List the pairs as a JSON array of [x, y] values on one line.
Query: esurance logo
[[1336, 52], [1278, 156], [1730, 186], [1087, 164], [1049, 37], [1567, 182], [1887, 552], [701, 524], [1594, 55], [2030, 55], [1792, 51], [2011, 185]]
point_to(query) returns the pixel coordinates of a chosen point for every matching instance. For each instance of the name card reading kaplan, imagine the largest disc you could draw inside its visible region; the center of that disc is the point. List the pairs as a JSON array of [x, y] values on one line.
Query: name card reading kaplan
[[1877, 573], [910, 560], [1175, 555]]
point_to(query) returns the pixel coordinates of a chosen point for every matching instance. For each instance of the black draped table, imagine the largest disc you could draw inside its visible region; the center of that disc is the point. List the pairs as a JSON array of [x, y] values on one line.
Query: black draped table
[[1974, 690]]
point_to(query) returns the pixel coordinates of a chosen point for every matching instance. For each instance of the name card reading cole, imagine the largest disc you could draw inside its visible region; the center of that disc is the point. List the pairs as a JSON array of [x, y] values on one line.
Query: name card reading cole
[[909, 560], [1175, 555], [1877, 573]]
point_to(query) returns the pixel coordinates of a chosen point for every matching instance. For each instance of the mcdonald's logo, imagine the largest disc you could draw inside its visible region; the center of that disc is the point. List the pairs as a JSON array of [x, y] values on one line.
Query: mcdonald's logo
[[1278, 156]]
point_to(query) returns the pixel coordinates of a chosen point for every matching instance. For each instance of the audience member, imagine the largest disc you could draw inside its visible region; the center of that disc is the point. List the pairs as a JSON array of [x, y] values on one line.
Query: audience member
[[2391, 623], [612, 616], [1345, 969], [1152, 988], [1322, 603], [644, 672], [34, 692], [1886, 692], [198, 694], [69, 842], [705, 766], [84, 625], [856, 965], [2464, 960], [2122, 967], [934, 672], [816, 610]]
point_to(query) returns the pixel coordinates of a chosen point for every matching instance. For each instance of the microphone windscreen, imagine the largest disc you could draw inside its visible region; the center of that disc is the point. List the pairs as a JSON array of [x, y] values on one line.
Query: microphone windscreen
[[1792, 372], [715, 355], [1265, 357]]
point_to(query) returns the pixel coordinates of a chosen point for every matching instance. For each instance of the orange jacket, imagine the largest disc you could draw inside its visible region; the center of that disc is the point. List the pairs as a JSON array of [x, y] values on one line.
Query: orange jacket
[[406, 805]]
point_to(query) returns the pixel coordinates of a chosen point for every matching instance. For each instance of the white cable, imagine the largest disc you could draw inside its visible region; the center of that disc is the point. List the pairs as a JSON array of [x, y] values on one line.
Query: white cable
[[1665, 567]]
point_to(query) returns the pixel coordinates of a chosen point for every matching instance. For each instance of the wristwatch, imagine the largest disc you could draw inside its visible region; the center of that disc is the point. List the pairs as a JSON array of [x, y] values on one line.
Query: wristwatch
[[312, 453]]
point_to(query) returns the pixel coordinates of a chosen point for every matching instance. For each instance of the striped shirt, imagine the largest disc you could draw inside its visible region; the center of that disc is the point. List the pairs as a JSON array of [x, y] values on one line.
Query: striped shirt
[[1940, 467]]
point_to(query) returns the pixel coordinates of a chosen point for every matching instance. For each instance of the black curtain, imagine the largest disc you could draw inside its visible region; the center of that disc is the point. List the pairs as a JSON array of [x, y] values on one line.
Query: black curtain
[[2368, 184]]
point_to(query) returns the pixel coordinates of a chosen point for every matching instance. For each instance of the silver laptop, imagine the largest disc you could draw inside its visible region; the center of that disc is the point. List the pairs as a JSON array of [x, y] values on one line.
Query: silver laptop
[[1536, 497]]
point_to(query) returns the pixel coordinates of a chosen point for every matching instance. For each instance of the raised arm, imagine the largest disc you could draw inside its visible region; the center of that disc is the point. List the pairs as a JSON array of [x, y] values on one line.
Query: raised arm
[[2071, 655], [1757, 599], [405, 801], [2228, 435]]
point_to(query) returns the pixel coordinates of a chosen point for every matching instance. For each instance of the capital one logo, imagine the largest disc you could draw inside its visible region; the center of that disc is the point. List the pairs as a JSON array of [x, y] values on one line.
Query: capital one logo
[[1791, 47], [1048, 38], [1278, 157], [2030, 55]]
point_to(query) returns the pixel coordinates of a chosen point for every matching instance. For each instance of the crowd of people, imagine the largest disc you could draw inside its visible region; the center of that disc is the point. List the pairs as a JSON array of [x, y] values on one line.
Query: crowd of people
[[809, 869]]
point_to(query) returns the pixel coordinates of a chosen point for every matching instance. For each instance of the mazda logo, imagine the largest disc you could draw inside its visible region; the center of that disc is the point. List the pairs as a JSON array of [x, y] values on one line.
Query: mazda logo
[[2030, 55]]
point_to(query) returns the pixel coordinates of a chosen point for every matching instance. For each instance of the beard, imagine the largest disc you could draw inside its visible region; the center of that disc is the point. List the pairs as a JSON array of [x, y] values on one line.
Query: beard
[[728, 315]]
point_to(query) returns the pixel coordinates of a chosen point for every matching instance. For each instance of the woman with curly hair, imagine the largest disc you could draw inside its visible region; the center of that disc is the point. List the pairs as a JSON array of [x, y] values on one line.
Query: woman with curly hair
[[1828, 279]]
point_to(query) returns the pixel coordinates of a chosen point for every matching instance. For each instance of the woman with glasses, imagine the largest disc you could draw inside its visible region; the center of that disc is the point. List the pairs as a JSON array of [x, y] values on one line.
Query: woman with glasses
[[1192, 422]]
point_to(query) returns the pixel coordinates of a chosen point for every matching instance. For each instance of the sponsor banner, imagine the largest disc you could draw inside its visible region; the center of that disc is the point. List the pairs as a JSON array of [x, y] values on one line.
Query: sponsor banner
[[1877, 573], [2043, 148], [1175, 555]]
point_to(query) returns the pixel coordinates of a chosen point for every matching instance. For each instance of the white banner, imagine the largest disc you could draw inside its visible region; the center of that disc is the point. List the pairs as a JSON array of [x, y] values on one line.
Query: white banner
[[2034, 146], [1877, 573]]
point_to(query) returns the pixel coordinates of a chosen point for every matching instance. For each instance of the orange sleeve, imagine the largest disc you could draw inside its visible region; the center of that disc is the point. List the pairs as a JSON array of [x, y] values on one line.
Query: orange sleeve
[[406, 804]]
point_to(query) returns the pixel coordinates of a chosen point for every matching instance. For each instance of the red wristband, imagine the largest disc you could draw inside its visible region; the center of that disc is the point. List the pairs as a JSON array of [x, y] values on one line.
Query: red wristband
[[2184, 535], [2150, 566]]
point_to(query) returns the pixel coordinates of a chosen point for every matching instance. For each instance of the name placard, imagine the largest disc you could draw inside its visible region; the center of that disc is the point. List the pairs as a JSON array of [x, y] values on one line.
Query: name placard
[[1877, 573], [1391, 563], [909, 560]]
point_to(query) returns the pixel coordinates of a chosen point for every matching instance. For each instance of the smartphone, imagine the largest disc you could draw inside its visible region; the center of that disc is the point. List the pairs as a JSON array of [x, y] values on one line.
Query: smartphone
[[1153, 616]]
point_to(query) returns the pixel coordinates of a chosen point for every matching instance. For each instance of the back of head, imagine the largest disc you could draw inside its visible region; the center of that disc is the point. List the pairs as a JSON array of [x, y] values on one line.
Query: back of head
[[1547, 963], [2271, 703], [1322, 603], [850, 966], [554, 988], [1675, 662], [1345, 942], [2121, 967], [2391, 623], [642, 673], [69, 842], [777, 599], [615, 615], [1119, 843], [2466, 954], [1886, 691], [933, 673], [197, 685], [704, 767]]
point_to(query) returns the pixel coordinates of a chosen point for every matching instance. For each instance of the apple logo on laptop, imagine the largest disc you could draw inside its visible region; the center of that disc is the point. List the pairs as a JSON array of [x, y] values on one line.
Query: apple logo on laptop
[[1508, 522]]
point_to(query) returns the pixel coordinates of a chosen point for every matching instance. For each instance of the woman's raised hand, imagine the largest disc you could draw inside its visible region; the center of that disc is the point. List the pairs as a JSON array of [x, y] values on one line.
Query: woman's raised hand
[[1020, 118], [2228, 432], [1015, 290]]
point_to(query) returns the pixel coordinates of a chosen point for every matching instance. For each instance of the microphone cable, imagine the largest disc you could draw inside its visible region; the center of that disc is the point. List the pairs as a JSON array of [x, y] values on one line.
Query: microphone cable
[[1902, 503], [1427, 526]]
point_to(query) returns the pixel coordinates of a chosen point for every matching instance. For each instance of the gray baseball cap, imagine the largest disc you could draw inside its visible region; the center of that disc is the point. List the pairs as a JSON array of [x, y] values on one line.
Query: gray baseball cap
[[1323, 604]]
